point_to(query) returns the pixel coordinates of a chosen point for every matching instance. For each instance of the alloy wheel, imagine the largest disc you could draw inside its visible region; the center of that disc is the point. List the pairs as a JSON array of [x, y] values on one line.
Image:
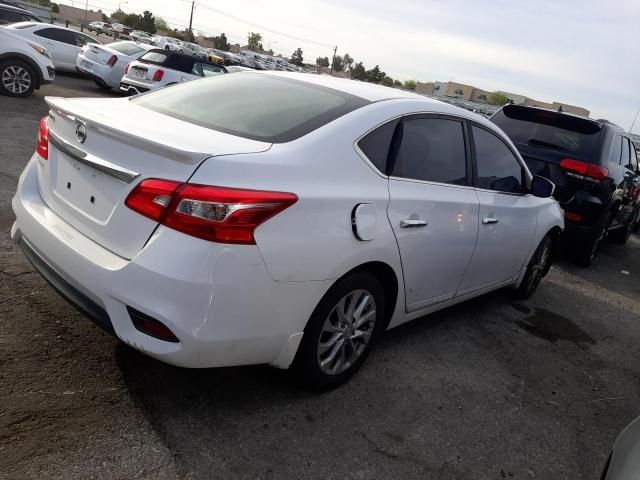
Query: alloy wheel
[[16, 79], [346, 332], [539, 266]]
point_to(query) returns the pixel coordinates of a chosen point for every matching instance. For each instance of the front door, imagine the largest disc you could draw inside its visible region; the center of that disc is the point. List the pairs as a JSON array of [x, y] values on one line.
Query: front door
[[433, 209]]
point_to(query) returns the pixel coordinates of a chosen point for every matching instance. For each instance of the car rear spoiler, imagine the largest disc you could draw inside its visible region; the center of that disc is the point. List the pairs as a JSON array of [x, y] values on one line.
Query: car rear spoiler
[[561, 120]]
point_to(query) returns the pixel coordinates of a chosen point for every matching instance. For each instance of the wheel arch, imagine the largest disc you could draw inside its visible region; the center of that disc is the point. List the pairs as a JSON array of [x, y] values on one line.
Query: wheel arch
[[27, 60]]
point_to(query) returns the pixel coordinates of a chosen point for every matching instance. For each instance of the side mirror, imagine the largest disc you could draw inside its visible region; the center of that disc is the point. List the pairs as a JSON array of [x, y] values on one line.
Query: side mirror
[[542, 187]]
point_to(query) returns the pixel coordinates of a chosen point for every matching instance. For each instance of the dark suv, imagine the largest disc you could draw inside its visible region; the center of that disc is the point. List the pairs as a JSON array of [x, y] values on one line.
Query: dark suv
[[594, 166]]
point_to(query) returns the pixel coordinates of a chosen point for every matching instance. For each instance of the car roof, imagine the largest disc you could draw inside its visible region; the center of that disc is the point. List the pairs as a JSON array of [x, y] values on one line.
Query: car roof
[[368, 91], [42, 25]]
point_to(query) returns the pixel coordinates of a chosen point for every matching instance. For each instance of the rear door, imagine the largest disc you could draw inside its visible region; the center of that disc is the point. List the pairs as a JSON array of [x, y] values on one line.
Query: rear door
[[433, 209], [507, 215], [62, 46], [629, 164]]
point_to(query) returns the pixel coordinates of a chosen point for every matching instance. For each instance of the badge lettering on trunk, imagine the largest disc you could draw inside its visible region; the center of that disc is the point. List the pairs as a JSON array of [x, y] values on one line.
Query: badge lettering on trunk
[[81, 133]]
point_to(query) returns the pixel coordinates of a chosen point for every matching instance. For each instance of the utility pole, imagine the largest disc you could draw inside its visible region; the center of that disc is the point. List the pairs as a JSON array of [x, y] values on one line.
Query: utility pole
[[333, 59], [86, 8], [191, 22]]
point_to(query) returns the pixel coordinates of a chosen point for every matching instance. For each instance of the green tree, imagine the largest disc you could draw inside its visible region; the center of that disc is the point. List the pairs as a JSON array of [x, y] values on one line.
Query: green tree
[[497, 98], [296, 57], [119, 15], [322, 61], [254, 41], [375, 75], [161, 24], [347, 62], [55, 8], [410, 84], [358, 72], [397, 83], [147, 22], [221, 43], [387, 81], [132, 20], [338, 66]]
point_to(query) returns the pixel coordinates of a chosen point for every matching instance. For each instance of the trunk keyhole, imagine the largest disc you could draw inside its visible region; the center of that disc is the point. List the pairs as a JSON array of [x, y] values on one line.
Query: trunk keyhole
[[92, 199], [68, 185]]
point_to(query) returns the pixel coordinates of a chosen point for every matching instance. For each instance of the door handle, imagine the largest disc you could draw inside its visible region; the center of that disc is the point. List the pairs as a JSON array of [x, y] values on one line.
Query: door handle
[[489, 220], [411, 223]]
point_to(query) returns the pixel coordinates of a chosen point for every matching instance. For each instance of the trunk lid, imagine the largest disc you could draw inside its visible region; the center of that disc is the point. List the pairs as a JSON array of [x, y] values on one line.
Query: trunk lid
[[100, 149], [98, 54]]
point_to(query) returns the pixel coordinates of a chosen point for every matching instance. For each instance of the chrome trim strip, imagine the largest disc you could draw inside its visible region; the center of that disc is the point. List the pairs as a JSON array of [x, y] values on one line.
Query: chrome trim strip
[[96, 163]]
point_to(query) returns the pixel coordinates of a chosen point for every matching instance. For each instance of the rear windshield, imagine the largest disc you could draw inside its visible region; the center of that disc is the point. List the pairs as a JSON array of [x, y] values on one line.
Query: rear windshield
[[253, 105], [555, 131], [126, 48]]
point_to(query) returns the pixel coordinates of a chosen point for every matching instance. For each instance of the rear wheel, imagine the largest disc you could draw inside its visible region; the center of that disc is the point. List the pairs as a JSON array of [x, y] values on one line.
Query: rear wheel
[[621, 235], [17, 78], [102, 85], [341, 331], [538, 267], [585, 250]]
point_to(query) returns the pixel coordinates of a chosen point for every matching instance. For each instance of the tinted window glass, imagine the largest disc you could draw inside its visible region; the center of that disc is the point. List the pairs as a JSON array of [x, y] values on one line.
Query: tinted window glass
[[197, 69], [82, 40], [551, 130], [616, 150], [376, 145], [634, 158], [126, 48], [57, 34], [432, 149], [498, 168], [624, 158], [253, 105], [9, 16]]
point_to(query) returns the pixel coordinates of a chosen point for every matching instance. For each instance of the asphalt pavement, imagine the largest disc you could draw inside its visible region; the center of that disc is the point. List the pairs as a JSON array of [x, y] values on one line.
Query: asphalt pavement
[[488, 389]]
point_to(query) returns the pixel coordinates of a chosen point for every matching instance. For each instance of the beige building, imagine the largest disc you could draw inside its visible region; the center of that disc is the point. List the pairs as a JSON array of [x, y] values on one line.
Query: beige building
[[480, 96], [583, 112], [425, 88], [514, 98], [530, 102], [459, 90], [77, 15]]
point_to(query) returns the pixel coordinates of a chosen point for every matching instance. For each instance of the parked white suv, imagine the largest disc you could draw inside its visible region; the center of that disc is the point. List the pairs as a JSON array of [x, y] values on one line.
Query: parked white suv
[[159, 68], [24, 65], [277, 218], [63, 44]]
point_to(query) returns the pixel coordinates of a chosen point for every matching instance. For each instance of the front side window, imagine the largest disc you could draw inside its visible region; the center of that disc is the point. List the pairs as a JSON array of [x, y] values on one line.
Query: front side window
[[211, 70], [8, 16], [432, 149], [497, 167], [57, 34]]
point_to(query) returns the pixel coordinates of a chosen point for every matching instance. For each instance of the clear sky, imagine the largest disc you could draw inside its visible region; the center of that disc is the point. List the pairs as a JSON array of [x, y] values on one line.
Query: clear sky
[[581, 52]]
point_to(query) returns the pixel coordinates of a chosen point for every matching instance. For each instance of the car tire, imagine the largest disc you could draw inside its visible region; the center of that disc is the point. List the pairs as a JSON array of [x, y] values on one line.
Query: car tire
[[621, 235], [537, 268], [333, 346], [585, 252], [17, 78], [102, 85]]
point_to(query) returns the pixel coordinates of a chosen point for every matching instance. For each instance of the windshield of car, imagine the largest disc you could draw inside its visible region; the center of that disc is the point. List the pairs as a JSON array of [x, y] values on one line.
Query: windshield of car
[[548, 129], [126, 48], [251, 105]]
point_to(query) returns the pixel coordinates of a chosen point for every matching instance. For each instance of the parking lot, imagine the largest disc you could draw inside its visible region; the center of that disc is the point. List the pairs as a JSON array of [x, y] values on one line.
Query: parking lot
[[488, 389]]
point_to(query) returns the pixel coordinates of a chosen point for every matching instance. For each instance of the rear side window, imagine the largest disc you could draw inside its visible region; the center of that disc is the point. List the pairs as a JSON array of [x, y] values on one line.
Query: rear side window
[[375, 145], [497, 167], [552, 130], [126, 48], [253, 105], [82, 40], [209, 70], [432, 149], [624, 158]]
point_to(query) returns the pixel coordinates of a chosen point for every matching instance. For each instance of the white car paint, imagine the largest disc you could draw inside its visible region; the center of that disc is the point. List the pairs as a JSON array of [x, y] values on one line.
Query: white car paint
[[63, 43], [168, 43], [232, 304], [15, 47], [96, 60]]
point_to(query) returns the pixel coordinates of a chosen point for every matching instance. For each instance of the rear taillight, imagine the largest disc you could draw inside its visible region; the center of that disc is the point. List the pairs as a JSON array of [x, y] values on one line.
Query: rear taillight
[[112, 61], [218, 214], [126, 68], [577, 168], [42, 141], [157, 76], [574, 217]]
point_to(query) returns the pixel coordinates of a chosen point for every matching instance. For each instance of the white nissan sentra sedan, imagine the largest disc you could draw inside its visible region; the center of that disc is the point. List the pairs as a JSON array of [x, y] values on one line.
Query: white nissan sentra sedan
[[276, 218]]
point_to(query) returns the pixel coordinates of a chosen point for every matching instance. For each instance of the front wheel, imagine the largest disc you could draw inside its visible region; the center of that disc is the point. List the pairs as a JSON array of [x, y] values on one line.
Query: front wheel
[[538, 267], [17, 78], [341, 331]]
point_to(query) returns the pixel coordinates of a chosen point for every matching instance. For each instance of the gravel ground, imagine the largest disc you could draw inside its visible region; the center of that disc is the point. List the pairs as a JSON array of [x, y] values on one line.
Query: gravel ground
[[488, 389]]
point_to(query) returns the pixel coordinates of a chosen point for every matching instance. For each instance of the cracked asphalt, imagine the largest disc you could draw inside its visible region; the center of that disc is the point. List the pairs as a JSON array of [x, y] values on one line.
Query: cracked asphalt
[[488, 389]]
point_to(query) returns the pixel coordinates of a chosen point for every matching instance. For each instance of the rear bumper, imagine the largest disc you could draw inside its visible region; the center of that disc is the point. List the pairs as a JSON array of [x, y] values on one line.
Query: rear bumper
[[132, 89], [218, 300]]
